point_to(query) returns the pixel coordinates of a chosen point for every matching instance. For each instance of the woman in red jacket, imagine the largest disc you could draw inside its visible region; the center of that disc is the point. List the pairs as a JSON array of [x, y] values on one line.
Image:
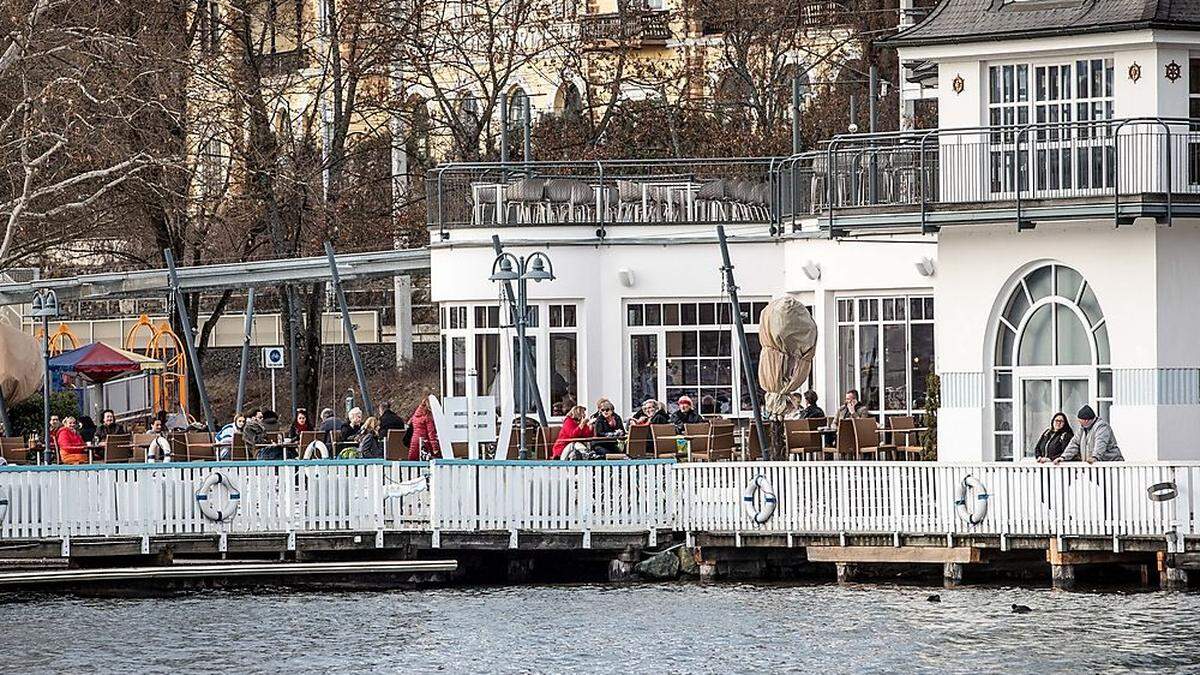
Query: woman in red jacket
[[424, 433], [573, 427], [71, 448]]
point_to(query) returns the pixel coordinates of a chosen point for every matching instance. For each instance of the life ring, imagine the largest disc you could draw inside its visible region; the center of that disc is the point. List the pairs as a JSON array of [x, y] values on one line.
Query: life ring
[[1163, 492], [164, 450], [759, 510], [972, 489], [233, 499], [315, 449]]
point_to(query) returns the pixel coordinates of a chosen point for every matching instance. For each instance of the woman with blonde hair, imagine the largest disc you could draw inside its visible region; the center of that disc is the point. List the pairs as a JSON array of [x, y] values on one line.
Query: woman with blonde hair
[[370, 445], [574, 426]]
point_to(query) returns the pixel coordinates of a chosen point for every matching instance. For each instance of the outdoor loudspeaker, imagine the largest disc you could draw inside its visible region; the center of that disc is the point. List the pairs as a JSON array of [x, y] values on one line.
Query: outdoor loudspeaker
[[625, 276], [925, 267], [812, 270]]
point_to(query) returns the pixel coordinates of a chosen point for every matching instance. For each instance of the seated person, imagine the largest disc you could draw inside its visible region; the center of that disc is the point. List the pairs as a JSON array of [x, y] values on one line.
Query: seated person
[[685, 415], [109, 426], [607, 424], [574, 426], [811, 411], [71, 446], [850, 409], [650, 413]]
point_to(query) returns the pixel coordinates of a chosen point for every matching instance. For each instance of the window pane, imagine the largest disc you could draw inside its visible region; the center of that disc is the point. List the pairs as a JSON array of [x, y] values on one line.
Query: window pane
[[1004, 417], [922, 362], [671, 314], [1038, 282], [716, 371], [1004, 346], [708, 315], [1102, 350], [653, 315], [681, 343], [846, 359], [917, 312], [487, 362], [1036, 346], [682, 372], [724, 315], [634, 317], [716, 401], [755, 350], [1073, 348], [569, 316], [1089, 305], [1036, 412], [556, 317], [1067, 282], [687, 314], [1018, 304], [1004, 449], [531, 355], [929, 309], [710, 342], [895, 362], [1003, 385], [868, 358], [563, 368], [643, 367], [458, 355]]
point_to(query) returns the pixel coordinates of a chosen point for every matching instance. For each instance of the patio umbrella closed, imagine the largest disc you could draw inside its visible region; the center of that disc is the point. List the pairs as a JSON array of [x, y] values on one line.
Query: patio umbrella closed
[[788, 336], [20, 365]]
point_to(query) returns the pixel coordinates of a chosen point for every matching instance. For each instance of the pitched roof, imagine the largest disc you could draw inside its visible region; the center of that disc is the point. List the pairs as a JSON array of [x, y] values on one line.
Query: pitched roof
[[958, 20]]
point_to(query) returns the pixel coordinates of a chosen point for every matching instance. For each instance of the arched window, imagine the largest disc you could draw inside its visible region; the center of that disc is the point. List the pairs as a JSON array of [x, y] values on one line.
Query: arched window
[[517, 100], [568, 102], [1051, 355]]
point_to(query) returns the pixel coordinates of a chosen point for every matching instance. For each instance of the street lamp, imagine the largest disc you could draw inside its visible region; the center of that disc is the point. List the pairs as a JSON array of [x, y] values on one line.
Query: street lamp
[[508, 268], [45, 307]]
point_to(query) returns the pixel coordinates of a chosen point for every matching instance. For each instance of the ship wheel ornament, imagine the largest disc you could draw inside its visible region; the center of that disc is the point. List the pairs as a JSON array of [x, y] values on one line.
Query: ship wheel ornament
[[1135, 72], [1174, 72], [958, 84]]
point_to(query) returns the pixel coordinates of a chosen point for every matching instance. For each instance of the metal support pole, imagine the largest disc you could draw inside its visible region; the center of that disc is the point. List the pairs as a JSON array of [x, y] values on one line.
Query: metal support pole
[[511, 298], [47, 447], [293, 361], [528, 123], [751, 376], [796, 115], [4, 420], [245, 363], [872, 114], [853, 110], [503, 128], [522, 359], [348, 327], [189, 341]]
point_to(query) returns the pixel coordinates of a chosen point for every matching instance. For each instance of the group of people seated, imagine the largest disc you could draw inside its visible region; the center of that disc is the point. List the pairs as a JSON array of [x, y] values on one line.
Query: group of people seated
[[356, 436], [1095, 441], [605, 424]]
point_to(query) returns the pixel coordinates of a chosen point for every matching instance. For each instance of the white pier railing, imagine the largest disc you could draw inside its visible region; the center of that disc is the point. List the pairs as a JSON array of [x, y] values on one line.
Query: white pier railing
[[650, 495]]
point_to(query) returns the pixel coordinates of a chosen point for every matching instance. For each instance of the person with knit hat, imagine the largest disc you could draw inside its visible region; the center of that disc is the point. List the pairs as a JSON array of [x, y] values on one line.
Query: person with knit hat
[[685, 414], [1094, 442]]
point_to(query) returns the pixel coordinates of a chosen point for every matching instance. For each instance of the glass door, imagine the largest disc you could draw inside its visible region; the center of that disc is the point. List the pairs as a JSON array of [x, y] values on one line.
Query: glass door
[[1041, 397]]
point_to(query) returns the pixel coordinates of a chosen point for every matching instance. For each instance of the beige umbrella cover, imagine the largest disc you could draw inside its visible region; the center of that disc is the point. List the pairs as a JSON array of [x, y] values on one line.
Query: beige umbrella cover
[[21, 365], [788, 336]]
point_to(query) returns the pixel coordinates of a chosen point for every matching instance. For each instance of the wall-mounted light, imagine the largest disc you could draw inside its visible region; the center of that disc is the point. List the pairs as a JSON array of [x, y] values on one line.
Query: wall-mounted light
[[625, 276], [926, 267], [812, 270]]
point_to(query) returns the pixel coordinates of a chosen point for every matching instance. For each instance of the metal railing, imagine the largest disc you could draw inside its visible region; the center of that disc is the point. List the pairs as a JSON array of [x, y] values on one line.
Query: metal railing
[[636, 25], [1006, 169]]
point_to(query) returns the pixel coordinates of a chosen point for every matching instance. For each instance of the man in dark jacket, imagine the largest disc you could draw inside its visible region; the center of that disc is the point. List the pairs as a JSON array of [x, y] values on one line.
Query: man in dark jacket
[[329, 424], [389, 420], [685, 414], [811, 411]]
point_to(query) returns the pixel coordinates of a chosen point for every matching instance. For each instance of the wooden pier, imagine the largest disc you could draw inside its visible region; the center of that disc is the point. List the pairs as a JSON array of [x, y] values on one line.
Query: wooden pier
[[840, 518]]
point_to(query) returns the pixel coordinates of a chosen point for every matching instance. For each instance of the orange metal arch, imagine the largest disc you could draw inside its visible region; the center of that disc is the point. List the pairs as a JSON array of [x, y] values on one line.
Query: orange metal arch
[[171, 386], [59, 339]]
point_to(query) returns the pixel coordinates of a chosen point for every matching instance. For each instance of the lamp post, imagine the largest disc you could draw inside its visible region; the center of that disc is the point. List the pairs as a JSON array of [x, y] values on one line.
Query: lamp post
[[45, 307], [506, 268]]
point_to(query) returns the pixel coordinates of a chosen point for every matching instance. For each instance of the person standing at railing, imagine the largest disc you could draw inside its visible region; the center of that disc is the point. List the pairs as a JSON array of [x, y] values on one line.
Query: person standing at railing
[[1095, 441], [1054, 440]]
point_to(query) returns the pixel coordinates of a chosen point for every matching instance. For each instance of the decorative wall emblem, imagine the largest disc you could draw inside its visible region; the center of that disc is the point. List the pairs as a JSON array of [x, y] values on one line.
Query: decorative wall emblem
[[1135, 72], [1174, 72], [958, 84]]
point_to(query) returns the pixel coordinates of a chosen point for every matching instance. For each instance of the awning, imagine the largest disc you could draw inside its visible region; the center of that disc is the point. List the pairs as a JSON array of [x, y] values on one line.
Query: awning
[[99, 363]]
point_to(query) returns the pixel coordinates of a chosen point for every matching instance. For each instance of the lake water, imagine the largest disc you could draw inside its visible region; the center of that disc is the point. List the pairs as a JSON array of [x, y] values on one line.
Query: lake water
[[684, 627]]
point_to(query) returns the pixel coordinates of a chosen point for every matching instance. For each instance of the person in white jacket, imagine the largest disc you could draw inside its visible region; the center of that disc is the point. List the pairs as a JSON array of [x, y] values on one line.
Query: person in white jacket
[[1094, 442]]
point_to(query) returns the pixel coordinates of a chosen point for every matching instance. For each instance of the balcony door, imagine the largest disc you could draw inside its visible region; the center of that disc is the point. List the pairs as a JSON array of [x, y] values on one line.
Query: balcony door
[[1043, 395]]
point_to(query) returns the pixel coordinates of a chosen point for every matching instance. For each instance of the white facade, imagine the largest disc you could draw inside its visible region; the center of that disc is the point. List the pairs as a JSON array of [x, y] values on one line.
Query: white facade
[[614, 287]]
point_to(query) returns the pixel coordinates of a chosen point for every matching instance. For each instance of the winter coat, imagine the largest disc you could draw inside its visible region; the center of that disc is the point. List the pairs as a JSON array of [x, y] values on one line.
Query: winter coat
[[254, 433], [571, 429], [1052, 443], [659, 417], [370, 446], [105, 430], [843, 413], [680, 418], [390, 421], [812, 412], [1095, 442], [70, 446], [603, 427], [423, 430]]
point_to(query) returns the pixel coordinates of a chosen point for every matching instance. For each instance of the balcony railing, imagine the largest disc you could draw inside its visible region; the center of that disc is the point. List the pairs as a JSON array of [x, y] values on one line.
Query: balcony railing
[[632, 27], [283, 62], [1120, 169]]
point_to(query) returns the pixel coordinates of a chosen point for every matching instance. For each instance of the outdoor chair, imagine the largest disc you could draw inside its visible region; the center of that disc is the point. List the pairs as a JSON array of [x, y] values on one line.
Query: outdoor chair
[[718, 446], [699, 436], [118, 449], [393, 446], [13, 450], [637, 442], [845, 447], [179, 449], [803, 439], [665, 445], [199, 447], [906, 438], [532, 435], [867, 439], [547, 436], [629, 201], [525, 198]]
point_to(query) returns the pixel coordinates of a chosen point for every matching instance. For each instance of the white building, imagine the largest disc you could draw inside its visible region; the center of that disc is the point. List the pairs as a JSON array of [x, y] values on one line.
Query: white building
[[1049, 221]]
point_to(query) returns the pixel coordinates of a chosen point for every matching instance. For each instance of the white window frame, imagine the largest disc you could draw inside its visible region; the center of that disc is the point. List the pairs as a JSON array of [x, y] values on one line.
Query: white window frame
[[856, 324]]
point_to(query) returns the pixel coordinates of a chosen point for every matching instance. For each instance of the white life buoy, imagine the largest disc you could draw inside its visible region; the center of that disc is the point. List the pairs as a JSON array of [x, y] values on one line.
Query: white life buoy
[[218, 513], [971, 490], [163, 451], [316, 449], [759, 510]]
